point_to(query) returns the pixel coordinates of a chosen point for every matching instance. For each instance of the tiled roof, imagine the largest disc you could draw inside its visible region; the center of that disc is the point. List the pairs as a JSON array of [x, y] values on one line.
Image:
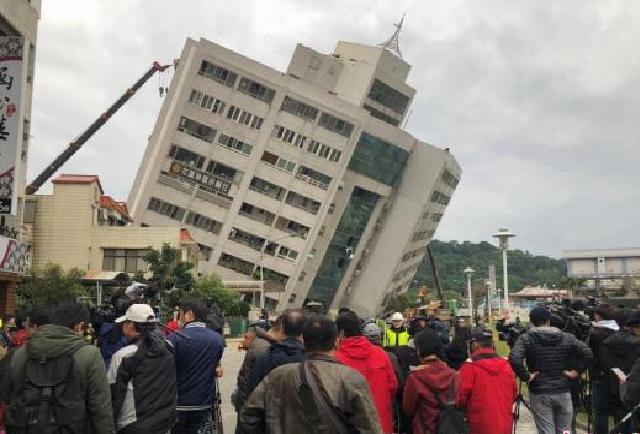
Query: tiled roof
[[185, 237], [120, 207], [78, 179]]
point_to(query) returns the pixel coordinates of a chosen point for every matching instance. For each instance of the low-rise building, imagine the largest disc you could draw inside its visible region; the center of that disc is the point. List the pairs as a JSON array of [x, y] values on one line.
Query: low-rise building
[[78, 226], [607, 270]]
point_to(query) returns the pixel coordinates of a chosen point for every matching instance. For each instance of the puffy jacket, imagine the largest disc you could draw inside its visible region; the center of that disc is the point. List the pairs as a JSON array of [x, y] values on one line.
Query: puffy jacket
[[198, 351], [396, 337], [550, 352], [487, 390], [50, 342], [275, 407], [620, 350], [287, 351], [142, 376], [374, 364], [419, 402], [259, 346], [630, 389], [599, 333]]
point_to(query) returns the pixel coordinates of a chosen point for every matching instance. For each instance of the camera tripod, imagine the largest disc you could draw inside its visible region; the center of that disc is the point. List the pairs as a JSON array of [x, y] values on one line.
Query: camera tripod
[[516, 408]]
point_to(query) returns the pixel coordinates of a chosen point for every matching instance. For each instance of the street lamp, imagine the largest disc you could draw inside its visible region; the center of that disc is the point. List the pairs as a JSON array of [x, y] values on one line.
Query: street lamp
[[503, 236], [264, 247], [468, 272]]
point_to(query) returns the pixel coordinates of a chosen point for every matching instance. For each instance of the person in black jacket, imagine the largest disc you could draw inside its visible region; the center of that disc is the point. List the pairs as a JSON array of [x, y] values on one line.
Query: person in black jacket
[[620, 350], [288, 350], [548, 353], [142, 376], [604, 326]]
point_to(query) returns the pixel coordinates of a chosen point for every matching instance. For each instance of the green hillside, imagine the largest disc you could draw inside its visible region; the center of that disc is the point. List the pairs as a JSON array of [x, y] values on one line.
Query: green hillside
[[452, 257]]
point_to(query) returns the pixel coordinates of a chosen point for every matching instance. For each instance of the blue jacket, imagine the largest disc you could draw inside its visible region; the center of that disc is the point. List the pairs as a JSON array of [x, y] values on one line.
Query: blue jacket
[[281, 353], [197, 355]]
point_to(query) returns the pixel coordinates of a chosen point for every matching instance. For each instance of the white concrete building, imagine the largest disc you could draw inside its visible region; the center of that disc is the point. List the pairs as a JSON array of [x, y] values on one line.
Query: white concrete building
[[607, 269], [305, 172]]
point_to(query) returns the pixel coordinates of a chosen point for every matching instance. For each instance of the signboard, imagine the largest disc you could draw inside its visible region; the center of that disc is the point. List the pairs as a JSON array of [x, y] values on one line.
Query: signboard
[[11, 84], [15, 256]]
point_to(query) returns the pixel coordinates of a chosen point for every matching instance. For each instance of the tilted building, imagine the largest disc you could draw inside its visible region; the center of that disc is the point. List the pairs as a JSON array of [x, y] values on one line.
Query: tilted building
[[305, 173]]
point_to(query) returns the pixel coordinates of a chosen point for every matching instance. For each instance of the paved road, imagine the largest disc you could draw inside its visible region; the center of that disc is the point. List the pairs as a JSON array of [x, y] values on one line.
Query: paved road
[[232, 361]]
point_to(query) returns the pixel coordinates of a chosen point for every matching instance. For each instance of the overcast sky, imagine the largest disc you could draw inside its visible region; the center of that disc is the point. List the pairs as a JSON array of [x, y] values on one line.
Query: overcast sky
[[539, 100]]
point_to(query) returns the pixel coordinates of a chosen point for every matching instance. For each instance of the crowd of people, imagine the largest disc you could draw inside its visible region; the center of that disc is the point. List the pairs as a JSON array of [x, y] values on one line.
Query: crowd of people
[[310, 374]]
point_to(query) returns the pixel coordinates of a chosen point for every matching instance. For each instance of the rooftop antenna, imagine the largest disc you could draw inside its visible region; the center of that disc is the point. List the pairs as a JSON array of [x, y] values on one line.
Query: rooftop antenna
[[393, 44]]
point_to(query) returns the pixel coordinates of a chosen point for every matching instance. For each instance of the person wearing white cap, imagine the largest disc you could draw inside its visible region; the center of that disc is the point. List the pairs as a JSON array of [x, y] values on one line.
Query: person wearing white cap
[[142, 376], [397, 335]]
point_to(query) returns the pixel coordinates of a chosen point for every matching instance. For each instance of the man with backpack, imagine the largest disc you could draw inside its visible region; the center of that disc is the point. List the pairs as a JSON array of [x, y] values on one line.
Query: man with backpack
[[430, 391], [487, 388], [57, 382], [142, 376]]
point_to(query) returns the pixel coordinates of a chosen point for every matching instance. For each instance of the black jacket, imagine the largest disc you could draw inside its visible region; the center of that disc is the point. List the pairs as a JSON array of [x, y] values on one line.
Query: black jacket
[[620, 350], [550, 352], [630, 390], [281, 353], [259, 346], [597, 336], [145, 371]]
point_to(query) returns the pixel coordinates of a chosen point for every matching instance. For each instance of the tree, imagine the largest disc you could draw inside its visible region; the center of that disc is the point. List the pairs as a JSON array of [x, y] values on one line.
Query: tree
[[167, 270], [51, 285], [228, 300], [452, 295]]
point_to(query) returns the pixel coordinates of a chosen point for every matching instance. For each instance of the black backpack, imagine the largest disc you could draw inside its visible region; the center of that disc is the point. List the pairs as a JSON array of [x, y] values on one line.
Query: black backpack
[[451, 419], [50, 400]]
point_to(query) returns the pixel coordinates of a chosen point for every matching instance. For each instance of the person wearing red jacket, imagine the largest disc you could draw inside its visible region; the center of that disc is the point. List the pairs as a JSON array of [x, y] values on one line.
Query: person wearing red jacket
[[433, 377], [487, 388], [372, 362]]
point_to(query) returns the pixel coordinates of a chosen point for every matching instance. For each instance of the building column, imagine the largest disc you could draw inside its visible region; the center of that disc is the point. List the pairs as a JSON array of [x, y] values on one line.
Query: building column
[[8, 296]]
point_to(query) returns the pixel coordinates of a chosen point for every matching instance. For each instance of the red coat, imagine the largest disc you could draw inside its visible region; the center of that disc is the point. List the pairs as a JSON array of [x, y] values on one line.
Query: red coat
[[487, 390], [374, 365], [20, 338], [418, 400]]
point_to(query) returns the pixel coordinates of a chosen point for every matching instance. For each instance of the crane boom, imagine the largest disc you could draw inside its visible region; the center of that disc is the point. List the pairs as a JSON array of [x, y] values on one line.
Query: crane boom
[[74, 146], [434, 272]]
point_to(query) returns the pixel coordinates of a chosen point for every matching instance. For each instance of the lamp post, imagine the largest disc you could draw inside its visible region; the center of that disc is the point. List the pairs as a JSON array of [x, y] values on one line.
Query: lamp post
[[468, 272], [264, 247], [503, 236]]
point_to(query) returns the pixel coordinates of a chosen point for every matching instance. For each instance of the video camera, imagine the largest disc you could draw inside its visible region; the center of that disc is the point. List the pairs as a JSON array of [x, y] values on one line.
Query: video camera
[[510, 332], [568, 317]]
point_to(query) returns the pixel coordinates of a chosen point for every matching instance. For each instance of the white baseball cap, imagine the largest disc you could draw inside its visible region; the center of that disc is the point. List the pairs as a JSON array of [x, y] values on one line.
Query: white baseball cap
[[138, 313], [397, 317]]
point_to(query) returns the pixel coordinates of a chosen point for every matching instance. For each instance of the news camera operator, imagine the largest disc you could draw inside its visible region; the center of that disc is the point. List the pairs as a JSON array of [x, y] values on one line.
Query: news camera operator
[[548, 353]]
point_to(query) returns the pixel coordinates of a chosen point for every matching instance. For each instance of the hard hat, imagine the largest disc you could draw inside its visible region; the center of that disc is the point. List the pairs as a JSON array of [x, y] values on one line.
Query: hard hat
[[397, 317]]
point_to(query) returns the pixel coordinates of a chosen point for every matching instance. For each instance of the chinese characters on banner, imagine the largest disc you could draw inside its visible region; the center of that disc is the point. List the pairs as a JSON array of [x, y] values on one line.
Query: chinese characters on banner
[[11, 82]]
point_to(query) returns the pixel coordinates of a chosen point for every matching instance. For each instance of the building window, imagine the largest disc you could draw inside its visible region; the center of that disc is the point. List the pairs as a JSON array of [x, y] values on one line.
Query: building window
[[124, 260], [202, 222], [287, 253], [254, 241], [267, 188], [236, 264], [235, 144], [298, 108], [388, 97], [337, 125], [292, 227], [449, 179], [218, 73], [441, 198], [299, 201], [208, 102], [436, 217], [174, 212], [244, 117], [257, 214], [206, 252], [289, 136], [382, 116], [186, 156], [256, 90], [379, 160], [279, 162], [314, 177], [196, 129]]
